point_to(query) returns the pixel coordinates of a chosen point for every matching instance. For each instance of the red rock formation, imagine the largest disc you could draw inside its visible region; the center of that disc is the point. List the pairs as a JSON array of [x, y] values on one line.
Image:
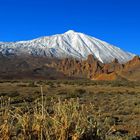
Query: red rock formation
[[94, 69]]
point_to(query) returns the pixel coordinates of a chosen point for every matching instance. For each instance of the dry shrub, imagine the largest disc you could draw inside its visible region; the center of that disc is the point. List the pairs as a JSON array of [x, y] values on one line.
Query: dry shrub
[[60, 120]]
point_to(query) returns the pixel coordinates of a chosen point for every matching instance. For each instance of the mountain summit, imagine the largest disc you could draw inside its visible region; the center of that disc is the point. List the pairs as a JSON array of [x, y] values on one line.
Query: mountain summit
[[70, 44]]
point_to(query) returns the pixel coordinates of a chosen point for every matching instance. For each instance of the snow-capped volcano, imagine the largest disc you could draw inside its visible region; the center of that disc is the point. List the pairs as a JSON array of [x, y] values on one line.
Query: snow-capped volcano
[[69, 44]]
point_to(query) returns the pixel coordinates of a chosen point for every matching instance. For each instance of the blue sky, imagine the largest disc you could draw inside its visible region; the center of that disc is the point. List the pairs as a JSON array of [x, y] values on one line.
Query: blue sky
[[114, 21]]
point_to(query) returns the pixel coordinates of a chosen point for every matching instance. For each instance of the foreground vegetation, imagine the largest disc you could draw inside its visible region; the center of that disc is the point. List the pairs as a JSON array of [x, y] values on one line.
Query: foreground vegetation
[[69, 110]]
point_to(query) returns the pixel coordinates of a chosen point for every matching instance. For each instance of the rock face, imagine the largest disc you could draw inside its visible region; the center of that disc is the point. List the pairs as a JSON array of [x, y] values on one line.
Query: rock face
[[83, 69], [95, 70]]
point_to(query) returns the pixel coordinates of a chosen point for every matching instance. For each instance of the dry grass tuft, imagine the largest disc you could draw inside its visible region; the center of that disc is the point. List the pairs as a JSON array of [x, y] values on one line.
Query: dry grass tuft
[[62, 120]]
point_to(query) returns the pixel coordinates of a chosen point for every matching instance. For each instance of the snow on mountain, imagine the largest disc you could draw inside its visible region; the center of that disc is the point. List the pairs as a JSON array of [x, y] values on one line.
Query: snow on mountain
[[69, 44]]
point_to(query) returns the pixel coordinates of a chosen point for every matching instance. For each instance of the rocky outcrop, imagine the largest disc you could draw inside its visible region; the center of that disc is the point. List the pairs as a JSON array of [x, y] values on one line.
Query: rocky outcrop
[[134, 62], [13, 67], [114, 66], [94, 69], [86, 69]]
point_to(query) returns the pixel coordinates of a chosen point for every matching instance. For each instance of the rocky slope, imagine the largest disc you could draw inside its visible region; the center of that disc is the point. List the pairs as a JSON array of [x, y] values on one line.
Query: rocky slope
[[14, 67]]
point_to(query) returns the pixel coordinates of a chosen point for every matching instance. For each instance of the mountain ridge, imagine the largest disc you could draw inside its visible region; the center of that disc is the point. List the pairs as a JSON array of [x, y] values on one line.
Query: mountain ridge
[[69, 44]]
